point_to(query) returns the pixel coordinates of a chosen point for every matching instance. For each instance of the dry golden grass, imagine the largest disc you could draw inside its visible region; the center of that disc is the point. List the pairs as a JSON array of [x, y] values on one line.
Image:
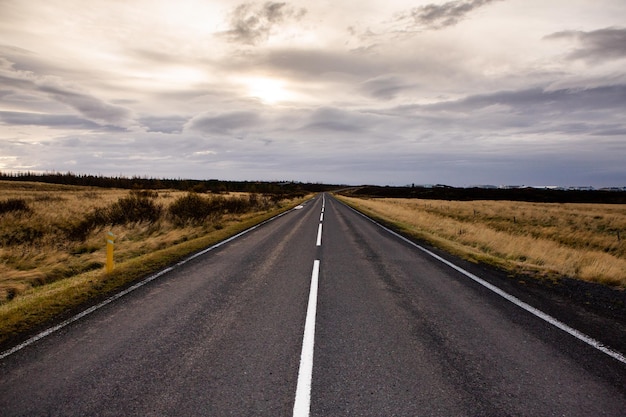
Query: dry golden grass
[[35, 248], [583, 241], [43, 272]]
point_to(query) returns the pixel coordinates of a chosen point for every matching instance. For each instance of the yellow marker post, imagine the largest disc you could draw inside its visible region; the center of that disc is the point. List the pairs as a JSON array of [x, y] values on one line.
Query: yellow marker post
[[110, 244]]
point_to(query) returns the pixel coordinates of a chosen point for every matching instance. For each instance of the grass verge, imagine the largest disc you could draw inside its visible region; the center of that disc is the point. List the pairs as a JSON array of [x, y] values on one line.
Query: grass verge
[[547, 241]]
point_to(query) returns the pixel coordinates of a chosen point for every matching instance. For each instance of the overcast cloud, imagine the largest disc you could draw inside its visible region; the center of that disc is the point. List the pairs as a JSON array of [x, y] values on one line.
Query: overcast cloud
[[252, 23], [601, 44], [383, 92], [440, 15]]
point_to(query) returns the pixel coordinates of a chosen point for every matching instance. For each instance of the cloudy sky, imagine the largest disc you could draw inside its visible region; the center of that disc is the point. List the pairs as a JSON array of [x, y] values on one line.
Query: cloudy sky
[[395, 92]]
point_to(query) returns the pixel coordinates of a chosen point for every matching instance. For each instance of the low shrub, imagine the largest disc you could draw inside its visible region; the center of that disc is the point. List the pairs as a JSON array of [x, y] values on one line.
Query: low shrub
[[242, 204], [23, 234], [14, 205], [191, 208], [137, 207], [194, 208]]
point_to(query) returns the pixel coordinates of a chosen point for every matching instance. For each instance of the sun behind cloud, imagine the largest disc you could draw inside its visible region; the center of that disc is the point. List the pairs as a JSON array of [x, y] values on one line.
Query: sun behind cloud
[[267, 90]]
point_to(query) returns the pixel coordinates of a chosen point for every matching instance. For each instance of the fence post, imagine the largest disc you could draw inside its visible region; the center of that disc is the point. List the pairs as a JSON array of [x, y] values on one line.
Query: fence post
[[110, 245]]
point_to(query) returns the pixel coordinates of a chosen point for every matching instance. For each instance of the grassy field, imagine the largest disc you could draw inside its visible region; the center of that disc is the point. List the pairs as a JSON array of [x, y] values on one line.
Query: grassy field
[[53, 241], [582, 241]]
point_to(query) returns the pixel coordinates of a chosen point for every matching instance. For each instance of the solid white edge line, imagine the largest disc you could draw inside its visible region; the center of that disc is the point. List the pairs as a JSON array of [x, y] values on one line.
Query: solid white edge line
[[302, 404], [132, 288], [538, 313]]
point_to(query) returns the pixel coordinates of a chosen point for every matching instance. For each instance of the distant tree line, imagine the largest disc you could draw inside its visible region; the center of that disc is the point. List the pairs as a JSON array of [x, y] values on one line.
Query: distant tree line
[[537, 195], [145, 183]]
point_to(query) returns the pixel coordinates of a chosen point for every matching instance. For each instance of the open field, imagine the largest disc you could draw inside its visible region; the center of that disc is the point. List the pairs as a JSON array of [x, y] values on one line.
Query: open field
[[53, 240], [581, 241]]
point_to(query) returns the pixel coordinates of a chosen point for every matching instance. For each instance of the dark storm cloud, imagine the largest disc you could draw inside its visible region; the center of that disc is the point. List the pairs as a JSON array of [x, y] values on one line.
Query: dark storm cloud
[[602, 44], [252, 23], [437, 16], [225, 123]]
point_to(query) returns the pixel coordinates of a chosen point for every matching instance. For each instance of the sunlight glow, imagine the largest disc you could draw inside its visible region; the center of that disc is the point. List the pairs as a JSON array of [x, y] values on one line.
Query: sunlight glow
[[268, 90]]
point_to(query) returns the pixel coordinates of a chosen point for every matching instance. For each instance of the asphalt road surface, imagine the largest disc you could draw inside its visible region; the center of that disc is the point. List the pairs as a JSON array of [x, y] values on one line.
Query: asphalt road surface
[[324, 306]]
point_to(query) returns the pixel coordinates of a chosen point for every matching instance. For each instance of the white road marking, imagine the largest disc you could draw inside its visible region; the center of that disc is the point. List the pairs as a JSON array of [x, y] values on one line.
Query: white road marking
[[302, 404], [321, 216], [532, 310], [319, 235], [129, 289]]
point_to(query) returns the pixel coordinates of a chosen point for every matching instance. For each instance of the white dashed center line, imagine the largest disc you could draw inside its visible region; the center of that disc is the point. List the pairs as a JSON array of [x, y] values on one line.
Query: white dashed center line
[[302, 404]]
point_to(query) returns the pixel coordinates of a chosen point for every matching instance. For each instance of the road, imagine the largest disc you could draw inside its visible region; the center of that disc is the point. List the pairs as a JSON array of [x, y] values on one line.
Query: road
[[391, 332]]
